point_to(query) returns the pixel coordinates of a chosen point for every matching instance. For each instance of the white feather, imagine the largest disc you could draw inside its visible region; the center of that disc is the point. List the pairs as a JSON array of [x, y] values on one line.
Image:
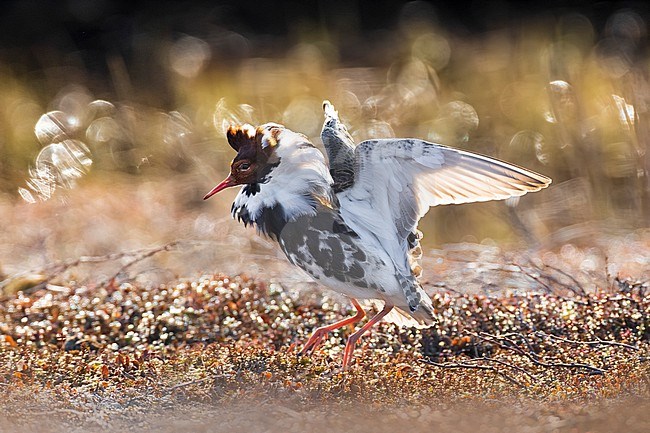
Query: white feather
[[398, 180], [302, 168]]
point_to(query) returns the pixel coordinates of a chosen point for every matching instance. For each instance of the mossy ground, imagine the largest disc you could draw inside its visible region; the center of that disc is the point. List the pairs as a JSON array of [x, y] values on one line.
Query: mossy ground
[[220, 353]]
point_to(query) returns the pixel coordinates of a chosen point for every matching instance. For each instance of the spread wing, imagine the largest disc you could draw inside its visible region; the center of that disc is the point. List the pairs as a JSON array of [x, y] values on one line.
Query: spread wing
[[340, 149], [398, 180]]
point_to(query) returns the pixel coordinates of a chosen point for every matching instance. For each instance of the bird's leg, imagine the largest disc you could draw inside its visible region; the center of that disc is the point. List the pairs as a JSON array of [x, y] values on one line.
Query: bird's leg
[[321, 332], [352, 340]]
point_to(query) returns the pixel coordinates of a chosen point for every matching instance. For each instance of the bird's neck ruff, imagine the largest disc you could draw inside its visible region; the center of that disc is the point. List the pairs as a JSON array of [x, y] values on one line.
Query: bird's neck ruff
[[297, 184]]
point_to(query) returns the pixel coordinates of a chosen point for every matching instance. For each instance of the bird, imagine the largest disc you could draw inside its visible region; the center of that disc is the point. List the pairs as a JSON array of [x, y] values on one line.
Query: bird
[[351, 221]]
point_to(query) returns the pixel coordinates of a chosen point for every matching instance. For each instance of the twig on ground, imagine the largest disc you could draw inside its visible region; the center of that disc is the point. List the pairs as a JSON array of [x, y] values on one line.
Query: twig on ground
[[140, 257], [60, 410], [582, 291], [531, 350], [579, 290], [57, 268], [597, 342], [512, 346], [474, 367], [169, 391], [509, 365], [191, 382], [537, 279]]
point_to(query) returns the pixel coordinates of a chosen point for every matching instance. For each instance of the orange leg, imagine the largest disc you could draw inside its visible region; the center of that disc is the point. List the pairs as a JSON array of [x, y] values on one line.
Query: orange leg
[[321, 332], [352, 340]]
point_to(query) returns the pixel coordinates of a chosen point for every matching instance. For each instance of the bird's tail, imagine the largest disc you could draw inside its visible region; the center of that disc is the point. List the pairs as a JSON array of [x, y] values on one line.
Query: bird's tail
[[400, 317]]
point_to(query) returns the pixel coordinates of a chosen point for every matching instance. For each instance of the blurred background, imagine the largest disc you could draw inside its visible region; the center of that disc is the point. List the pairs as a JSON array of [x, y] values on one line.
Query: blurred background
[[112, 118]]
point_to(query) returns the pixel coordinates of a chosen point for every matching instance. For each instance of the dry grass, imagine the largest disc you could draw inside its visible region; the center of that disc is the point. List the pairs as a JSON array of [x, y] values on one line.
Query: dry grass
[[119, 356]]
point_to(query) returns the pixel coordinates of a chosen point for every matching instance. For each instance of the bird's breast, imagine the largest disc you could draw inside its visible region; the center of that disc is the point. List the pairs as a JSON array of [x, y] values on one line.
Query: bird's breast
[[270, 220], [331, 252]]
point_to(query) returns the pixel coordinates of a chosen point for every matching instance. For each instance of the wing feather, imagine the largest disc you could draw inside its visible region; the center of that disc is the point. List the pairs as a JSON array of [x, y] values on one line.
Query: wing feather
[[339, 147], [400, 179]]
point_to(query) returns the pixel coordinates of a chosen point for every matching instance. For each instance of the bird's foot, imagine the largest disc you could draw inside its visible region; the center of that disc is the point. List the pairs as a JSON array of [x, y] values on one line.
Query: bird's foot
[[314, 341]]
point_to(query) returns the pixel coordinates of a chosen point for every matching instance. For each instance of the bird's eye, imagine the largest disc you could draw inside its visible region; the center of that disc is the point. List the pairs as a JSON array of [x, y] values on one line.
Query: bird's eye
[[244, 166]]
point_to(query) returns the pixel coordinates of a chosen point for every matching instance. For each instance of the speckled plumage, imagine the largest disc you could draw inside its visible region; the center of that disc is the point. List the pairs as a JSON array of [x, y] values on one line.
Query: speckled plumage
[[339, 146], [352, 225]]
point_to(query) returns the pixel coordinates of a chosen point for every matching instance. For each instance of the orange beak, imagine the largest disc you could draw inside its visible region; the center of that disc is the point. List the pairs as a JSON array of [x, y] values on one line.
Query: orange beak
[[226, 183]]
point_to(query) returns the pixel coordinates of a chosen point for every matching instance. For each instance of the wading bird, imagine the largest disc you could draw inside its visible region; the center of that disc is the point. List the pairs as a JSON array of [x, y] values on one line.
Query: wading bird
[[352, 224]]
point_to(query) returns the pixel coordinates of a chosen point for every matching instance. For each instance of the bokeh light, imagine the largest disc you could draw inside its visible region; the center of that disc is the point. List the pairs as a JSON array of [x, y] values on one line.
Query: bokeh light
[[145, 100]]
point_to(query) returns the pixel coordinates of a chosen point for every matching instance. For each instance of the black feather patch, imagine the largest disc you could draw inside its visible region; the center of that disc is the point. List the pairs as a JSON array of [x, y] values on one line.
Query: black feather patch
[[270, 221], [265, 171], [251, 189]]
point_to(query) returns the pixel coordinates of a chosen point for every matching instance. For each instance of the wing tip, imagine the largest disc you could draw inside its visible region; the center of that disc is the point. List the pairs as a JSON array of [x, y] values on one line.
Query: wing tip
[[535, 181], [330, 111]]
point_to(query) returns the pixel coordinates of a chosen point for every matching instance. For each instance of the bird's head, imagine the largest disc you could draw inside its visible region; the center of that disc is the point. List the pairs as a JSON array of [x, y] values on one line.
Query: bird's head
[[272, 154], [256, 156]]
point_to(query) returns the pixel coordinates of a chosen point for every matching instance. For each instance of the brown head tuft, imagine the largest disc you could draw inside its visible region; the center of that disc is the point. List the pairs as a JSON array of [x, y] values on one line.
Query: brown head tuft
[[255, 158], [239, 136], [247, 140], [254, 148]]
